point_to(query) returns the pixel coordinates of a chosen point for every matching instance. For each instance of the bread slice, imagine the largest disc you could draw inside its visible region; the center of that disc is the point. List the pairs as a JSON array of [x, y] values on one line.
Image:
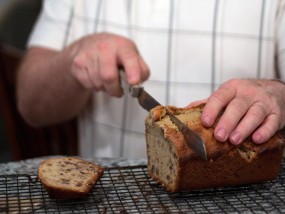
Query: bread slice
[[68, 177], [177, 168]]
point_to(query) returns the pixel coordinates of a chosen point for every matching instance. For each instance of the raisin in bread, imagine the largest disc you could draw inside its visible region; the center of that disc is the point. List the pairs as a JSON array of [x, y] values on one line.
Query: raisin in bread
[[68, 177], [177, 168]]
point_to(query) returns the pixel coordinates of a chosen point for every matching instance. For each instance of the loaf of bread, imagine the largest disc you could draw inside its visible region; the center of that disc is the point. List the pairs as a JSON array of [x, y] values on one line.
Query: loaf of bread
[[177, 168], [68, 177]]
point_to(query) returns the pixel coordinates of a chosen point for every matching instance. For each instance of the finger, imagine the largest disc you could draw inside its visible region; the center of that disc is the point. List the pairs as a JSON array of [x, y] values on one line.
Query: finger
[[84, 78], [94, 72], [130, 59], [253, 118], [233, 113], [80, 71], [196, 103], [108, 67], [266, 130], [216, 102], [145, 73]]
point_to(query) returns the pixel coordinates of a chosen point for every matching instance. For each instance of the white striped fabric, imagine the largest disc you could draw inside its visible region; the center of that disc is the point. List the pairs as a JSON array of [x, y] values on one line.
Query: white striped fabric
[[191, 47]]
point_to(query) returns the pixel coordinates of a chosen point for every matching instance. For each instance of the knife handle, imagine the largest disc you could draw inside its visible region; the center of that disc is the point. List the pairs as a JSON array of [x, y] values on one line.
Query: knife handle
[[133, 90]]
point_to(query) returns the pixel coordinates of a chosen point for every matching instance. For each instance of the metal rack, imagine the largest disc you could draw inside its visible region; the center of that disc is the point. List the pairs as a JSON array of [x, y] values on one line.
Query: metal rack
[[130, 190]]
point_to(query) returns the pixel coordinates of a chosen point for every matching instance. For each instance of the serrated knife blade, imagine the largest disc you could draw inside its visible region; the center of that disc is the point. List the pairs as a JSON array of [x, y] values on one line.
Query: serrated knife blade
[[192, 139]]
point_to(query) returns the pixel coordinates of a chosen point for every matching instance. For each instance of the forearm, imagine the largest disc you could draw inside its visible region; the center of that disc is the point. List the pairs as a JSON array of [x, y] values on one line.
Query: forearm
[[47, 92]]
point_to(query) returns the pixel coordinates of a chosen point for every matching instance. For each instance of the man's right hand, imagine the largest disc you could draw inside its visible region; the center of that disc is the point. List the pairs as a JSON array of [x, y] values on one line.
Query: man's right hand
[[95, 61], [56, 79]]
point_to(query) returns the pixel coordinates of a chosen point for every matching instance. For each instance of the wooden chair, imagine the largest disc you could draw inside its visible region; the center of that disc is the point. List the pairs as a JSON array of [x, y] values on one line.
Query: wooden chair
[[25, 141]]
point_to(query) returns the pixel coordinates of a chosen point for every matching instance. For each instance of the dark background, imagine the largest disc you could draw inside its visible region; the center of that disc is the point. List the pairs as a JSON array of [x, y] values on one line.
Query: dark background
[[18, 140]]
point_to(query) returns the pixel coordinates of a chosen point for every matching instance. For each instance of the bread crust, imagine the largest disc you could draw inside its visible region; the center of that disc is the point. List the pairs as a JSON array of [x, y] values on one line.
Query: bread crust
[[68, 177], [227, 164]]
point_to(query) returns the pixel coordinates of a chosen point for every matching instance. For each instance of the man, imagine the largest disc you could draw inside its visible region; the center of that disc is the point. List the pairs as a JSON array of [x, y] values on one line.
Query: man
[[225, 51]]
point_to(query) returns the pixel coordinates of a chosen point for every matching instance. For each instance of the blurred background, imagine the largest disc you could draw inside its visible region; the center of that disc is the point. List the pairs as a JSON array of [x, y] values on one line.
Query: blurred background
[[17, 139]]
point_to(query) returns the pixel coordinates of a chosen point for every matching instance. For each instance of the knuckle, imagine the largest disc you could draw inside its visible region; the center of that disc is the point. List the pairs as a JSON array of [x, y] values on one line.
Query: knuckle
[[108, 77], [126, 42], [122, 42], [233, 82], [227, 86], [240, 105], [79, 61], [217, 95], [102, 46], [130, 54], [257, 114], [259, 111]]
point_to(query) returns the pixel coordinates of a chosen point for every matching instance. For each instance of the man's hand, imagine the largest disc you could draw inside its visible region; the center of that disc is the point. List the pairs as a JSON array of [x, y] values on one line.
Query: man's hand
[[254, 107], [56, 79], [96, 59]]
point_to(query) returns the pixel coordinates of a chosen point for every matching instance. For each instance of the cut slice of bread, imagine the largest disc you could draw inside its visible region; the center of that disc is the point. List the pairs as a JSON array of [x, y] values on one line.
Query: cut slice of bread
[[68, 177]]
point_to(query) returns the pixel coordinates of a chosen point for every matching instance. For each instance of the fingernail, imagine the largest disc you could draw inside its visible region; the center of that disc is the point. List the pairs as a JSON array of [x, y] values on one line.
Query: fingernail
[[235, 138], [133, 79], [207, 120], [221, 134], [257, 138]]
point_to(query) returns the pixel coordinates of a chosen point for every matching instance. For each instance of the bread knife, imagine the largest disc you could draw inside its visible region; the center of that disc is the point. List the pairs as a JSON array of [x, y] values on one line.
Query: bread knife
[[192, 139]]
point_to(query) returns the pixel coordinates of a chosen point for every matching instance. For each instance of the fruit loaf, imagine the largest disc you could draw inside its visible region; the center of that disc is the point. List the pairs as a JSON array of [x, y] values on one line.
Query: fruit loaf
[[177, 168], [68, 177]]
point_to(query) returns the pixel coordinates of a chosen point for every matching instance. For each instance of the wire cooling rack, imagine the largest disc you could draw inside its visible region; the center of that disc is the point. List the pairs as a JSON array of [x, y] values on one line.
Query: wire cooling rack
[[130, 190]]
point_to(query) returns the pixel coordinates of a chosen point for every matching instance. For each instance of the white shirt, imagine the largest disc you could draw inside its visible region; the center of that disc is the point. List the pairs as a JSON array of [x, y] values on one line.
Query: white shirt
[[191, 47]]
